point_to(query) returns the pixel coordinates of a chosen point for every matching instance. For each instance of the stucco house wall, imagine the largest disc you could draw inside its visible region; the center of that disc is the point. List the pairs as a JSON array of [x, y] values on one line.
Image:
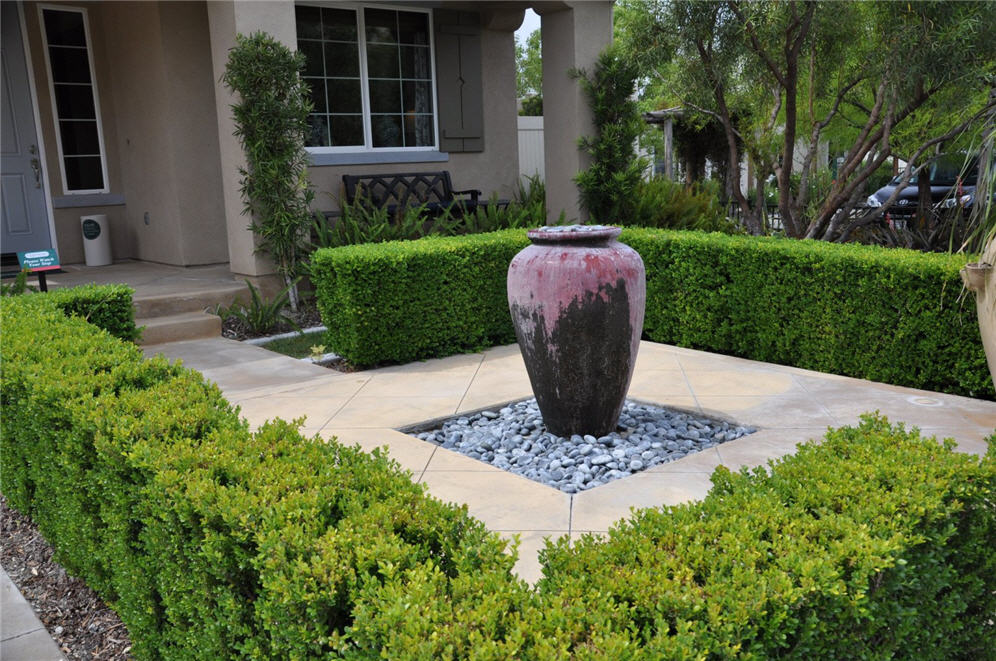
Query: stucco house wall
[[172, 182]]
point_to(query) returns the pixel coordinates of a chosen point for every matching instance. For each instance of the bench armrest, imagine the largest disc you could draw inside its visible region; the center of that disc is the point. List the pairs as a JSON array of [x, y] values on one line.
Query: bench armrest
[[474, 194]]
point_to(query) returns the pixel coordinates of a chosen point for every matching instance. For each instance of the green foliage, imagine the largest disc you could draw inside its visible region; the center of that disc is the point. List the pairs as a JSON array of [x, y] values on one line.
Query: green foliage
[[873, 313], [608, 186], [666, 204], [360, 222], [863, 311], [106, 306], [532, 106], [271, 118], [19, 286], [875, 544], [529, 68], [212, 542], [260, 316], [404, 301]]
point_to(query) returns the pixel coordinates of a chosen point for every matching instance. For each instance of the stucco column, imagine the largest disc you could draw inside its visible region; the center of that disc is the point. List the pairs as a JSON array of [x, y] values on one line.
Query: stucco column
[[573, 37], [226, 19]]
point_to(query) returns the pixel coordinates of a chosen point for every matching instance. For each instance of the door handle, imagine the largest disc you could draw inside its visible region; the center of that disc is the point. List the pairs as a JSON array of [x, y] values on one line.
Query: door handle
[[36, 167]]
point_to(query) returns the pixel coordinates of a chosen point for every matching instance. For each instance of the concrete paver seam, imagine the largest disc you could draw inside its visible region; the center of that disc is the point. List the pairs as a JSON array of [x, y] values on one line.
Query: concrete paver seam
[[469, 384]]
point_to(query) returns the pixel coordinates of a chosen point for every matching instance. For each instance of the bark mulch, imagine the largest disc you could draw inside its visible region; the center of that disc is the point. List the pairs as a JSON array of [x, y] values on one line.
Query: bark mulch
[[83, 627]]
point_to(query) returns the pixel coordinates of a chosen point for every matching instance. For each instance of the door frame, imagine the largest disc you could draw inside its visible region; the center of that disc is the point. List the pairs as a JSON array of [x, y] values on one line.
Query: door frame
[[39, 133]]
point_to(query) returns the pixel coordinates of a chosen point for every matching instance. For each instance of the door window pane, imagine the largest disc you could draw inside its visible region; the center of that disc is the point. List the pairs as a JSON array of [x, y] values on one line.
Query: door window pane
[[74, 98], [75, 102], [84, 173]]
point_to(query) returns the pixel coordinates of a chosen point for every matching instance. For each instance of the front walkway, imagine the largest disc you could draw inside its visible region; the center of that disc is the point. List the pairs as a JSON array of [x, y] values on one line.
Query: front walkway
[[786, 404]]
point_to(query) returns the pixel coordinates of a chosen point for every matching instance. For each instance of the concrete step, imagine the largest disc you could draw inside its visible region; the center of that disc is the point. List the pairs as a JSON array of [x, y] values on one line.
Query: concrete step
[[197, 299], [178, 327]]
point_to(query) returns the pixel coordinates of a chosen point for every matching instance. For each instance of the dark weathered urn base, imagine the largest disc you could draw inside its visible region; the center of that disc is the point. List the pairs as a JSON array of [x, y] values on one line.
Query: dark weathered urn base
[[577, 300]]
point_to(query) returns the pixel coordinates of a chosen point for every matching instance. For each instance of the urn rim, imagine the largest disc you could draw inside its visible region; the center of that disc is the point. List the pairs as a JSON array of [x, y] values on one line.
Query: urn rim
[[573, 233]]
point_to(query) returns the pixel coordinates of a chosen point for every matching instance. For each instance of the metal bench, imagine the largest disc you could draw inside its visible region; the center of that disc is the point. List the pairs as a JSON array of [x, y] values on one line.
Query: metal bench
[[432, 190]]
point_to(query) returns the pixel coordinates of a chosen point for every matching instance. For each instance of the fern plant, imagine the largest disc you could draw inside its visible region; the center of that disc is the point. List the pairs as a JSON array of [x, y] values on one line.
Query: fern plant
[[260, 316]]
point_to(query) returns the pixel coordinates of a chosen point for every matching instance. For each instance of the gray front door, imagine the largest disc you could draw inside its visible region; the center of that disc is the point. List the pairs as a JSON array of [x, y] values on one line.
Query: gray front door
[[24, 218]]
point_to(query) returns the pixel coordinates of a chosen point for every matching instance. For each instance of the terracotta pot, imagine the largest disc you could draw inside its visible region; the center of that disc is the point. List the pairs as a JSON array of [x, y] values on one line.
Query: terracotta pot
[[577, 300]]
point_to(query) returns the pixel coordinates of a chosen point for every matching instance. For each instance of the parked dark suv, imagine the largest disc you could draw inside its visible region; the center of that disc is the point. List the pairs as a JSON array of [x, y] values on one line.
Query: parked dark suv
[[952, 185]]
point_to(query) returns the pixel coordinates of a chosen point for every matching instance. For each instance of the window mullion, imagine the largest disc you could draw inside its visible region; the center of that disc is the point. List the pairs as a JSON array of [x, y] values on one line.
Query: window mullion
[[361, 39]]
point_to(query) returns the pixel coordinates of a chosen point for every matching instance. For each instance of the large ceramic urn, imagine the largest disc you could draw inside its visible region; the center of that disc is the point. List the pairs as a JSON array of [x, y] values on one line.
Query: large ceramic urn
[[577, 298]]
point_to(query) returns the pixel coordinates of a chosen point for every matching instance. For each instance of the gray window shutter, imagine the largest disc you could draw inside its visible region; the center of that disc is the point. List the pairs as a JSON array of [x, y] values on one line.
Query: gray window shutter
[[458, 81]]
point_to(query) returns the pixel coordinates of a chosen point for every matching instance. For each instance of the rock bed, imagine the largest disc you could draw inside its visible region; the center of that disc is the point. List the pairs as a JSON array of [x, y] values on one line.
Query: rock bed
[[514, 439]]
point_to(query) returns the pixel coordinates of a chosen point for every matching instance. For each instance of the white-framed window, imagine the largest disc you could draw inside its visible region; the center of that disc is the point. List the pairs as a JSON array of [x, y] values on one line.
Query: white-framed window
[[75, 104], [372, 77]]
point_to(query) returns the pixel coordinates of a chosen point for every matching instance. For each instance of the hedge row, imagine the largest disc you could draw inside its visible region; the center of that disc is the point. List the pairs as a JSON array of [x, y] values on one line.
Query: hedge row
[[216, 543], [873, 313]]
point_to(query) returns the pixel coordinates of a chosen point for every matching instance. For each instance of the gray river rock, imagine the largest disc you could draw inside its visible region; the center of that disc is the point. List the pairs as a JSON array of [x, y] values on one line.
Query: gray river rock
[[514, 439]]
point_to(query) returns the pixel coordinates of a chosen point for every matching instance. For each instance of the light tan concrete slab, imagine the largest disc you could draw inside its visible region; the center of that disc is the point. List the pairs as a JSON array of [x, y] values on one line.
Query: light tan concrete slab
[[496, 385], [531, 542], [790, 409], [335, 384], [453, 383], [739, 382], [273, 372], [758, 448], [501, 500], [410, 452], [448, 460], [705, 461], [654, 384], [317, 410], [599, 508], [657, 357], [848, 399], [392, 412], [466, 363]]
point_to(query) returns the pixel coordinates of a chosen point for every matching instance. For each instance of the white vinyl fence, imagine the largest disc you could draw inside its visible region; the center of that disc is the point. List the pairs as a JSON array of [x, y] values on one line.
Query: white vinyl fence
[[531, 147]]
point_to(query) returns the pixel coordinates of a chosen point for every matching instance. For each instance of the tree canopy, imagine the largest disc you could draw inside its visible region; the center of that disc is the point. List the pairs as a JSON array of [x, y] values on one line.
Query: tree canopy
[[874, 79]]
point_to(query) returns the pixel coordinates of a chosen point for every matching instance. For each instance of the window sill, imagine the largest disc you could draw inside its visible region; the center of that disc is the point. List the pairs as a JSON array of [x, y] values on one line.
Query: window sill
[[88, 200], [373, 157]]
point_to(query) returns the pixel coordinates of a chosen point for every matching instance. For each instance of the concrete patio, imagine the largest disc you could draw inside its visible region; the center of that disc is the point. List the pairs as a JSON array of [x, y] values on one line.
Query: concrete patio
[[786, 404]]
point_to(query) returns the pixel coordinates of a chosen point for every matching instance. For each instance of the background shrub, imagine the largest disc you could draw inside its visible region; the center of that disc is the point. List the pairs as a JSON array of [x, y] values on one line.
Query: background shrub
[[666, 204], [872, 313]]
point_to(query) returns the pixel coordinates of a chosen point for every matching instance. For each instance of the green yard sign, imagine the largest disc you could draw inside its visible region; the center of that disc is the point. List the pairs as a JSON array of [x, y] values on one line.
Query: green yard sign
[[38, 260]]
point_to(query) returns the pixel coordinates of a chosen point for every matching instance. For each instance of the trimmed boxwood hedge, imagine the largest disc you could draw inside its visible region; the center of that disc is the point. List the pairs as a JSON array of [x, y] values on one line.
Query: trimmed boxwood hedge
[[216, 543], [882, 314], [213, 542]]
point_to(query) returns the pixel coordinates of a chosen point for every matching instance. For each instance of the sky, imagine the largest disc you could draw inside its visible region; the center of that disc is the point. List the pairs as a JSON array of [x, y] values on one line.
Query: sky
[[529, 23]]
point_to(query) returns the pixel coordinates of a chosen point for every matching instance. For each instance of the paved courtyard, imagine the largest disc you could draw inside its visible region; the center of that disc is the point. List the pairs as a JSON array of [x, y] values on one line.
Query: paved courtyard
[[786, 404]]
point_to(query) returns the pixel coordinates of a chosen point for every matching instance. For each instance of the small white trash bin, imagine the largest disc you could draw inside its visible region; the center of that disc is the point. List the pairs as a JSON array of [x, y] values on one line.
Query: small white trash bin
[[96, 239]]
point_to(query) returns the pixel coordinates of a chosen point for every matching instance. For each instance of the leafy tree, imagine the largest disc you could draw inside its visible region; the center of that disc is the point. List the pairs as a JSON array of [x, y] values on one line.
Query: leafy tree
[[529, 66], [872, 78], [271, 118]]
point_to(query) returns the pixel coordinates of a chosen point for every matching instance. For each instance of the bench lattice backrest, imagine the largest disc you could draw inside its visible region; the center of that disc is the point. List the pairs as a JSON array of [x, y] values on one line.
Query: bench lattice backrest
[[400, 189]]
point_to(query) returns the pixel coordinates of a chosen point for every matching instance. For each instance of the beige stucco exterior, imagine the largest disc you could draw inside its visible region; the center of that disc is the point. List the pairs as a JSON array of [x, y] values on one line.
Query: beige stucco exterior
[[172, 161]]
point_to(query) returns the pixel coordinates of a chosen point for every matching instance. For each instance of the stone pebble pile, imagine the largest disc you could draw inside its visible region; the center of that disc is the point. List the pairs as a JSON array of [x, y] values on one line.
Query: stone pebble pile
[[514, 439]]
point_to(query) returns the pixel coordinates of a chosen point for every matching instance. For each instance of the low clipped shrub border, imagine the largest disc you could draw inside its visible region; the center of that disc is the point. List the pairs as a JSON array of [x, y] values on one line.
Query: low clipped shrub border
[[873, 313], [213, 542]]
